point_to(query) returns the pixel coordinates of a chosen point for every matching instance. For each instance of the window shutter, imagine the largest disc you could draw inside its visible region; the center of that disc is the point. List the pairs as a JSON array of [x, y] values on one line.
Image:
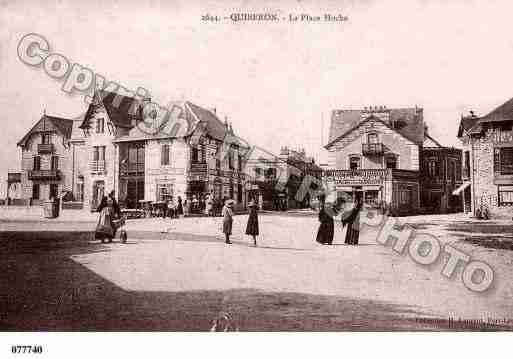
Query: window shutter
[[497, 160], [164, 157]]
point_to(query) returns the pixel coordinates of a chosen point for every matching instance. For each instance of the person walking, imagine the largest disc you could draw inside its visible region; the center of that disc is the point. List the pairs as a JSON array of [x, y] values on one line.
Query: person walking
[[209, 205], [252, 226], [327, 226], [186, 207], [108, 208], [228, 219], [171, 207], [179, 207], [352, 220]]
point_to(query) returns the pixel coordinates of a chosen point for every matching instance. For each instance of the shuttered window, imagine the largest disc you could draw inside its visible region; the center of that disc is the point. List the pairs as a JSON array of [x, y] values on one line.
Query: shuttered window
[[164, 157], [503, 160]]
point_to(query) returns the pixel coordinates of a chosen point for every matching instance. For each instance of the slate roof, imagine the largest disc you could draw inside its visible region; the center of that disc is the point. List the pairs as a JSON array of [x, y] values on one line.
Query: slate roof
[[502, 113], [466, 124], [214, 127], [122, 110], [61, 125], [409, 123]]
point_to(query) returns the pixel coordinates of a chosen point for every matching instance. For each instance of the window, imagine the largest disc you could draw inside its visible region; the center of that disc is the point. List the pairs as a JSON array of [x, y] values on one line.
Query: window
[[270, 173], [37, 163], [505, 195], [405, 196], [46, 138], [432, 168], [239, 192], [258, 171], [218, 163], [354, 162], [391, 162], [54, 190], [372, 138], [194, 155], [164, 156], [164, 191], [239, 161], [55, 163], [99, 153], [100, 125], [466, 164], [231, 190], [230, 158], [503, 161], [35, 191], [203, 157]]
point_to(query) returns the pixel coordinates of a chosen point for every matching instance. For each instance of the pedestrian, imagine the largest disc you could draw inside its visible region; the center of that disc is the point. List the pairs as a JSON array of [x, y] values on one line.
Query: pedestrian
[[171, 207], [105, 229], [209, 205], [194, 204], [352, 219], [252, 226], [186, 207], [179, 207], [327, 227], [228, 219]]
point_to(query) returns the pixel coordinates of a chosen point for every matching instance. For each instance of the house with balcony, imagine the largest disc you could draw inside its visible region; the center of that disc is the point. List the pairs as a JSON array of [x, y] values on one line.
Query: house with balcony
[[375, 154], [487, 161], [45, 159], [202, 156]]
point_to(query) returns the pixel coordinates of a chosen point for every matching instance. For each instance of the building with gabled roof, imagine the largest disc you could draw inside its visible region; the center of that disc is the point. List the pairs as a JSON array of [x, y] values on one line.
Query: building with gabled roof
[[45, 159], [378, 154], [488, 161]]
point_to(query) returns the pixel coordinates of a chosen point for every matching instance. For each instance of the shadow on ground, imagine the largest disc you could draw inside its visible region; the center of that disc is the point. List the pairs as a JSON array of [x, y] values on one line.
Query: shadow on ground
[[44, 289]]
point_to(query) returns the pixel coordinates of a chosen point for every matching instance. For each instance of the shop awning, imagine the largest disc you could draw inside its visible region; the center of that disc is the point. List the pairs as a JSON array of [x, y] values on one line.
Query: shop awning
[[458, 190]]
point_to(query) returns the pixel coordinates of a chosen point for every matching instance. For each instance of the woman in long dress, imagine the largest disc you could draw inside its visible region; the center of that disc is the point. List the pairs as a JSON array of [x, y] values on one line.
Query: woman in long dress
[[327, 226], [353, 223], [105, 229], [252, 226], [179, 207], [228, 220]]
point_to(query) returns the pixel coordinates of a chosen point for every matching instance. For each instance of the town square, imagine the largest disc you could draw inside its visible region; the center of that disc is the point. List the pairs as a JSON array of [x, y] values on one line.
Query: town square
[[292, 169]]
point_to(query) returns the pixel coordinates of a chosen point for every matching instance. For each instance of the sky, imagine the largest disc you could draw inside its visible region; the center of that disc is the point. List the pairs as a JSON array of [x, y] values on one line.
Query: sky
[[276, 82]]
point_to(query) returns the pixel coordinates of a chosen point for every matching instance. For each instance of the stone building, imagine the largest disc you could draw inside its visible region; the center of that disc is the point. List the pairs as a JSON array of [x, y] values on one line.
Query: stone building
[[274, 180], [487, 161], [46, 159], [124, 144], [378, 154]]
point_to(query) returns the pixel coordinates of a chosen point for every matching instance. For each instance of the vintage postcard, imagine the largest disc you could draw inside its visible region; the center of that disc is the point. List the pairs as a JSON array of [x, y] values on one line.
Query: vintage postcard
[[255, 166]]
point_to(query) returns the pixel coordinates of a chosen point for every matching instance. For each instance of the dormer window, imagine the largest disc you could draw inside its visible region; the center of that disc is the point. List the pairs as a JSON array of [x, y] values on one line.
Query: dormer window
[[372, 138], [100, 125], [391, 161], [46, 138], [354, 162]]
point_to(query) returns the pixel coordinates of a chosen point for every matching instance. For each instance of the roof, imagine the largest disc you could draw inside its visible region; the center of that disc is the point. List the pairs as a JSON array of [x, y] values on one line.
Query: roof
[[214, 127], [50, 123], [122, 110], [502, 113], [467, 123], [428, 140], [408, 122]]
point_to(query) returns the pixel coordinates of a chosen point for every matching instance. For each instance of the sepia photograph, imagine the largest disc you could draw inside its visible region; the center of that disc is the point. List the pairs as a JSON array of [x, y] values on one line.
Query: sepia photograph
[[255, 166]]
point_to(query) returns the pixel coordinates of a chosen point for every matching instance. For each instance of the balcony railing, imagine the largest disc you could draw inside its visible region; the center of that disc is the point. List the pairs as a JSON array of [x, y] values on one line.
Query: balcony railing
[[43, 174], [45, 148], [372, 149], [131, 168], [97, 166]]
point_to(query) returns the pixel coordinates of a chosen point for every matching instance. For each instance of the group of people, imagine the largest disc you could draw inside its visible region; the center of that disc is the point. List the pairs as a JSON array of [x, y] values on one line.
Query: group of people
[[349, 218], [251, 226]]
